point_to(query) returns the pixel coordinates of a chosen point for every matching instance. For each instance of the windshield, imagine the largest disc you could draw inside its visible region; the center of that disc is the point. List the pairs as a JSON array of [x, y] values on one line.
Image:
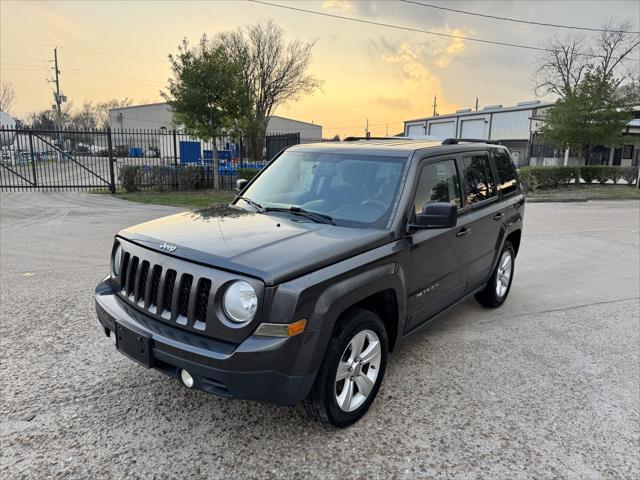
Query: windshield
[[354, 190]]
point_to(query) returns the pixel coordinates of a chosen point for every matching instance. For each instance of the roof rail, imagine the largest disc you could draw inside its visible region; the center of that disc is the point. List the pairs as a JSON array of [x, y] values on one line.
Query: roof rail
[[355, 139], [455, 141]]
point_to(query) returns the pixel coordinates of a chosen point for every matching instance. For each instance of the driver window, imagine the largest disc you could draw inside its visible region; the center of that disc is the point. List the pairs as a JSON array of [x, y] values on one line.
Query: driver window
[[438, 182]]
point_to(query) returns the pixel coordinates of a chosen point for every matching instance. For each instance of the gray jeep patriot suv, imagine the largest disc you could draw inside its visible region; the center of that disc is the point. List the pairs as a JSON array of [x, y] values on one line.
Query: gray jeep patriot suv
[[325, 261]]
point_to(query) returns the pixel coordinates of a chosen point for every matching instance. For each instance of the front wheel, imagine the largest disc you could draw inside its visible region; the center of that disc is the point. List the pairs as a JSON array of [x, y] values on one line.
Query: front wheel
[[352, 370], [497, 289]]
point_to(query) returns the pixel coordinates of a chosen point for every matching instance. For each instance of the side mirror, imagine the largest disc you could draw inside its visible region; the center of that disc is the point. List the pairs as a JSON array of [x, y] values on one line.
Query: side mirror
[[437, 215], [240, 184]]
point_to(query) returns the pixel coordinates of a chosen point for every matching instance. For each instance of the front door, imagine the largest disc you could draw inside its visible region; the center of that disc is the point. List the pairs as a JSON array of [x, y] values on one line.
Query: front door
[[436, 276]]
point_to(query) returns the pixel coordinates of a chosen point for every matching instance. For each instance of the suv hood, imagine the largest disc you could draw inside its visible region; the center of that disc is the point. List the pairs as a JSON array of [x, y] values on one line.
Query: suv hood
[[272, 247]]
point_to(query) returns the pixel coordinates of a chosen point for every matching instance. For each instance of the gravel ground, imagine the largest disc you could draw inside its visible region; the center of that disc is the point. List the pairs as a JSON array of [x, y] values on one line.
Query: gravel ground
[[546, 386]]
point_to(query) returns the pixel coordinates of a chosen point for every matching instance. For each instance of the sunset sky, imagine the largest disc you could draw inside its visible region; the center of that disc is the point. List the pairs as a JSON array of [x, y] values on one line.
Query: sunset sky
[[117, 49]]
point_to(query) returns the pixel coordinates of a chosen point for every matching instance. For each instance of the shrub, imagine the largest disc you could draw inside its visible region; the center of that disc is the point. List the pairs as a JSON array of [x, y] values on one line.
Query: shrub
[[130, 177], [247, 173], [588, 173], [190, 178], [160, 178], [528, 179], [629, 174], [614, 174], [603, 174]]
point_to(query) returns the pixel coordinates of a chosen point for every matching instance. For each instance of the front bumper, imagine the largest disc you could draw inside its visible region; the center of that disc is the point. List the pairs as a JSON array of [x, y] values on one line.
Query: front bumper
[[268, 369]]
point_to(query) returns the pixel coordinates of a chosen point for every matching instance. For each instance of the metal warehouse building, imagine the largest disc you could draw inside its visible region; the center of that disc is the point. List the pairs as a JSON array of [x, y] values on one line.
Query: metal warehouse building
[[155, 116], [518, 127], [513, 126]]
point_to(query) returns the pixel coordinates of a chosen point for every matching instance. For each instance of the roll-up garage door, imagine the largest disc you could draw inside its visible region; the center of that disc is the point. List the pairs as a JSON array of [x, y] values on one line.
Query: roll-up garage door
[[472, 128], [415, 130], [443, 130]]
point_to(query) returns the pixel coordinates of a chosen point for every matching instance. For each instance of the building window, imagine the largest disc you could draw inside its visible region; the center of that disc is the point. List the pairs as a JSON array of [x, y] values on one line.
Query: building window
[[627, 151]]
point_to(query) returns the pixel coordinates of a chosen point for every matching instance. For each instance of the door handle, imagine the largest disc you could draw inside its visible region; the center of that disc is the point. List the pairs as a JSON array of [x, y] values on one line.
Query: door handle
[[463, 232], [498, 216]]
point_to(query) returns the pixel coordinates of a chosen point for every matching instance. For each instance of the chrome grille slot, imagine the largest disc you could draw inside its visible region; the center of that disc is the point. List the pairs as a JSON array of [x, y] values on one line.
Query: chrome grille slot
[[131, 277], [123, 271], [169, 284], [185, 292], [141, 281], [202, 299], [154, 286]]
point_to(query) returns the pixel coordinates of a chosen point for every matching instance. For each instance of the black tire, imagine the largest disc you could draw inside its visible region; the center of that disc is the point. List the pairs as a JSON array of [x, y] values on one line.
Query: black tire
[[489, 296], [321, 402]]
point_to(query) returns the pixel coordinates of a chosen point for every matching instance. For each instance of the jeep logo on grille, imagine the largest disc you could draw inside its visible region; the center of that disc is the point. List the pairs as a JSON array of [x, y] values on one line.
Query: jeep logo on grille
[[169, 247]]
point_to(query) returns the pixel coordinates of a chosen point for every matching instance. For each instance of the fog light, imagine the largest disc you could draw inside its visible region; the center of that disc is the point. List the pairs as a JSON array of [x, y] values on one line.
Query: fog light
[[186, 378]]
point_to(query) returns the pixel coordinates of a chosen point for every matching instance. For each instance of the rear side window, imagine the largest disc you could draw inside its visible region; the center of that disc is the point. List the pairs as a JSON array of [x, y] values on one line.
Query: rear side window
[[507, 180], [480, 183], [438, 182]]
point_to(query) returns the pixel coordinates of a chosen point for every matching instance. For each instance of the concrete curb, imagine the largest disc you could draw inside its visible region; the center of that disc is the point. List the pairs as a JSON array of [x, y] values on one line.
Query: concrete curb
[[557, 200]]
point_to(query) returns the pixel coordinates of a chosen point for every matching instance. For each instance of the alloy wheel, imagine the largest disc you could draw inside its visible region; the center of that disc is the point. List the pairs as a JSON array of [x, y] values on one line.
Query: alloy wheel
[[503, 276], [358, 370]]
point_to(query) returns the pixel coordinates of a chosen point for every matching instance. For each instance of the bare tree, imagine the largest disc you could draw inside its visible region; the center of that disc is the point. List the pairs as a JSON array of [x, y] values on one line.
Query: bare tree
[[563, 65], [7, 96], [274, 71]]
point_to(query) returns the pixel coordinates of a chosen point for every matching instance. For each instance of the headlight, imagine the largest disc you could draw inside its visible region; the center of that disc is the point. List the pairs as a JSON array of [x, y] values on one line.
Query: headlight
[[117, 261], [240, 302]]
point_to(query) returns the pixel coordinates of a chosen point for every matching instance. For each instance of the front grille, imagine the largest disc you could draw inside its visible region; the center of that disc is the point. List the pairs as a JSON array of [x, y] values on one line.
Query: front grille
[[168, 295]]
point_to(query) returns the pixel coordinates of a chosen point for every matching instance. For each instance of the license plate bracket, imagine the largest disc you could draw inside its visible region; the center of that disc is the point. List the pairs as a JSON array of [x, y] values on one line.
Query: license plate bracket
[[135, 345]]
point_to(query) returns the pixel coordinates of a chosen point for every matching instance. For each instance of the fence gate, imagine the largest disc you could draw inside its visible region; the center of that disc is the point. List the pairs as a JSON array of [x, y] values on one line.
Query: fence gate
[[56, 160]]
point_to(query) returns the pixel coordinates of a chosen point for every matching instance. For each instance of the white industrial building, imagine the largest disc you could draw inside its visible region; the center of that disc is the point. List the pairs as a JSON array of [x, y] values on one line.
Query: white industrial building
[[157, 116], [518, 128], [512, 126]]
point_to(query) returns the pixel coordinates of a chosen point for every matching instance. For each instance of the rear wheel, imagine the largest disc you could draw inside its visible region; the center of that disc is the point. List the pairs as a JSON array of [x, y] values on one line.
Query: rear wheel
[[499, 285], [352, 370]]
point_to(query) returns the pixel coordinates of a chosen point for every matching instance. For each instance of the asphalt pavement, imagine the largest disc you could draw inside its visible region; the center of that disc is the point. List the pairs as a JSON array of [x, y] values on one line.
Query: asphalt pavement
[[546, 386]]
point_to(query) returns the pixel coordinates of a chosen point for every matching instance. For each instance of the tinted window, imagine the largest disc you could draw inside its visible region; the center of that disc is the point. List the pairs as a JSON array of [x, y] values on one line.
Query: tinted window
[[507, 182], [438, 182], [480, 184]]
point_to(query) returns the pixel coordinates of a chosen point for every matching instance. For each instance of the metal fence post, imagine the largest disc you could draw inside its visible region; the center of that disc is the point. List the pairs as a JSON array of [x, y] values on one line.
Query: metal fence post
[[175, 149], [33, 161], [112, 160]]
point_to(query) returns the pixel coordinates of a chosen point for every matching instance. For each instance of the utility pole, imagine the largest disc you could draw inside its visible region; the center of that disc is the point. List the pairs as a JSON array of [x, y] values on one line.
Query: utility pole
[[476, 104], [435, 105], [366, 130], [57, 94], [387, 131]]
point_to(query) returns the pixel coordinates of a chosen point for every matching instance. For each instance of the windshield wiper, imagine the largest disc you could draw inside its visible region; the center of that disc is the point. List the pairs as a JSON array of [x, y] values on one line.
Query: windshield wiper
[[255, 205], [315, 216]]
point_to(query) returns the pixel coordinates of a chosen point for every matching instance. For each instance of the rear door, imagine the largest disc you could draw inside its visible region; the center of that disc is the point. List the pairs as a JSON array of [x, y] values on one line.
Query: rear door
[[508, 186], [484, 213], [436, 276]]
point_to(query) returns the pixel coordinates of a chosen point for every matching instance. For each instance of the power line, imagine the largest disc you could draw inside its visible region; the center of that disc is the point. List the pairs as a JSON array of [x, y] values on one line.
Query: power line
[[88, 50], [515, 20], [418, 30]]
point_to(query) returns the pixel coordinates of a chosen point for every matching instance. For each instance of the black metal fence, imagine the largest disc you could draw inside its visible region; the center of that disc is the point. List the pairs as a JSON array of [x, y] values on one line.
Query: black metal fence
[[155, 159]]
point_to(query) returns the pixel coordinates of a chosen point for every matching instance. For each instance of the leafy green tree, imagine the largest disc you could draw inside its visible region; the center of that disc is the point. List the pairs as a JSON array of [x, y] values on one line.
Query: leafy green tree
[[593, 114], [206, 93]]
